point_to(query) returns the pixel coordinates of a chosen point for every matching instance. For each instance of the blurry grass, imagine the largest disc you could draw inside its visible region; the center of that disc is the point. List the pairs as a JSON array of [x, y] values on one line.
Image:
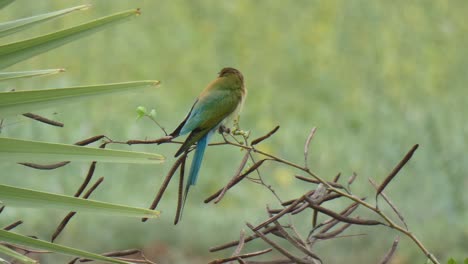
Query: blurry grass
[[375, 78]]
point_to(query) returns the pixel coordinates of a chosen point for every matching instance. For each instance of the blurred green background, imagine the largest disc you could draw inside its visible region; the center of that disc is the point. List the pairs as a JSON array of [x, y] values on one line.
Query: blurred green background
[[375, 77]]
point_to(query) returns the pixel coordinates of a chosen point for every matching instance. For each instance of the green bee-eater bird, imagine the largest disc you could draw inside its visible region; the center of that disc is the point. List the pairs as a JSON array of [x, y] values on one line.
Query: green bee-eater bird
[[218, 103]]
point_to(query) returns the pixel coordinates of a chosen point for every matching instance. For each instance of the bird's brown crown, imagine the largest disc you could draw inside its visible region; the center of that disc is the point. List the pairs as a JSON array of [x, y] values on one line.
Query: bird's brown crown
[[228, 71]]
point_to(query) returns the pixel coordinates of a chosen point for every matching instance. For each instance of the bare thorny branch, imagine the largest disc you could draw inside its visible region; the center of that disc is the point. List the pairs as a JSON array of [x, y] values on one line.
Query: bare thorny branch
[[314, 199]]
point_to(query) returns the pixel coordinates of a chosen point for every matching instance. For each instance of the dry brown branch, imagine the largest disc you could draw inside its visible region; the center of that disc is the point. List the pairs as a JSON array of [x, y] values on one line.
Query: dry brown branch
[[236, 180], [154, 141], [52, 166], [298, 244], [267, 230], [395, 170], [123, 253], [236, 175], [90, 140], [239, 247], [306, 146], [43, 119], [341, 218], [390, 252], [332, 234], [57, 165], [242, 256], [283, 212], [334, 184], [260, 139], [13, 225], [329, 224], [180, 192], [314, 199], [166, 183], [280, 249], [26, 250], [392, 205], [70, 215]]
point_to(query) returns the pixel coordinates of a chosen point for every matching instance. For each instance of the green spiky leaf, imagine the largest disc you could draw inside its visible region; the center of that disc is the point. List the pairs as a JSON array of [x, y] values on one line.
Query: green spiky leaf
[[20, 197], [18, 150], [18, 51], [11, 27], [14, 238], [6, 76], [17, 256], [4, 3], [19, 102]]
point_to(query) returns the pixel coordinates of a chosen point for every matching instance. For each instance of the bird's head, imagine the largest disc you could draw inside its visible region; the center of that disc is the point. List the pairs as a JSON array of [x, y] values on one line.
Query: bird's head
[[231, 72]]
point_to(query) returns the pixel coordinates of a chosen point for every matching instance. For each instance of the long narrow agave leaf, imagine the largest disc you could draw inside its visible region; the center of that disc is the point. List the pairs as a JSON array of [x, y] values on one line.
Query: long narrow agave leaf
[[4, 3], [18, 51], [19, 102], [17, 256], [20, 197], [18, 150], [11, 27], [6, 76], [14, 238]]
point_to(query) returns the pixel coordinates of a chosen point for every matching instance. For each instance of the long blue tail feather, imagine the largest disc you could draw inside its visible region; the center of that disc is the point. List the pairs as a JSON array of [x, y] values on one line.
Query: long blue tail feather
[[195, 167], [197, 160]]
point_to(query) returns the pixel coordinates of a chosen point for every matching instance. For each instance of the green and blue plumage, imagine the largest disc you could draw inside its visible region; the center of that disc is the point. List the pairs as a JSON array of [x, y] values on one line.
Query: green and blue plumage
[[218, 103]]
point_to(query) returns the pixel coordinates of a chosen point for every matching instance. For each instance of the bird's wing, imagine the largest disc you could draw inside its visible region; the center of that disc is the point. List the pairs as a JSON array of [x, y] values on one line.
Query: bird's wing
[[207, 113], [176, 132], [209, 110]]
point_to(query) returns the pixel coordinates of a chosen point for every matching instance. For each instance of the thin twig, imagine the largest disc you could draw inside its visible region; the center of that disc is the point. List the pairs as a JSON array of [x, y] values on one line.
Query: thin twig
[[295, 242], [236, 180], [247, 255], [389, 202], [70, 215], [247, 239], [123, 253], [239, 247], [236, 175], [390, 252], [283, 212], [180, 192], [306, 146], [280, 249], [166, 183], [337, 216]]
